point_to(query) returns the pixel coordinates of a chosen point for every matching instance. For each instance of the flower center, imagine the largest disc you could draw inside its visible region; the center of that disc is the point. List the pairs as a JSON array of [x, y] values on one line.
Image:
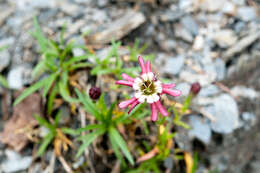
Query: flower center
[[148, 88]]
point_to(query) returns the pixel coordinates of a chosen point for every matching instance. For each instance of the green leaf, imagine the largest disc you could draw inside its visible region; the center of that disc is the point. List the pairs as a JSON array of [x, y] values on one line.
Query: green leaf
[[75, 60], [65, 94], [88, 139], [89, 106], [31, 90], [44, 144], [121, 143], [70, 131], [195, 163], [37, 34], [115, 147], [51, 98], [57, 118], [90, 127], [4, 47], [49, 83], [44, 122], [101, 103], [39, 69], [110, 113], [3, 81], [79, 65]]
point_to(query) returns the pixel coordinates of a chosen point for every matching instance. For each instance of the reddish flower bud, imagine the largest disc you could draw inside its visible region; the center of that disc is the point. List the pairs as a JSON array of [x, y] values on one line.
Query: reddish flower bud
[[195, 88], [94, 93]]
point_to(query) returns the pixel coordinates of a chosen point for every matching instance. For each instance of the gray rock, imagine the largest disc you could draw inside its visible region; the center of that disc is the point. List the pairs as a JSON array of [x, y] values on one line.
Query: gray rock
[[185, 4], [102, 3], [225, 38], [242, 91], [78, 162], [211, 5], [69, 8], [200, 128], [184, 88], [239, 2], [246, 13], [168, 163], [29, 5], [5, 56], [19, 76], [4, 59], [168, 45], [171, 15], [249, 119], [15, 162], [241, 45], [220, 68], [190, 24], [181, 32], [209, 91], [78, 51], [174, 65], [225, 112]]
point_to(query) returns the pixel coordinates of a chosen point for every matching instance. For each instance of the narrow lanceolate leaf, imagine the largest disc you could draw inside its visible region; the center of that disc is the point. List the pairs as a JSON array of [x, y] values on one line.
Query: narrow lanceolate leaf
[[74, 60], [88, 139], [49, 83], [90, 127], [115, 147], [70, 131], [44, 144], [31, 90], [3, 81], [51, 98], [43, 122], [65, 94], [110, 113], [79, 65], [39, 69], [89, 106], [121, 143]]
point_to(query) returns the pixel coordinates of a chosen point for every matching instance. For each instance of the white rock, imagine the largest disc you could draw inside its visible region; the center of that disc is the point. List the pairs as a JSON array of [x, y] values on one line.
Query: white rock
[[243, 91], [225, 38], [200, 128], [19, 76], [225, 112], [211, 5], [198, 43], [229, 8], [246, 13], [15, 162]]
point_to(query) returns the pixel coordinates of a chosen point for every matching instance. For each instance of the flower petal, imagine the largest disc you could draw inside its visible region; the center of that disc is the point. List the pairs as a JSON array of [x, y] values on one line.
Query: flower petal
[[133, 106], [150, 99], [148, 66], [142, 98], [168, 85], [126, 103], [154, 115], [141, 62], [128, 78], [160, 107], [123, 82], [171, 92]]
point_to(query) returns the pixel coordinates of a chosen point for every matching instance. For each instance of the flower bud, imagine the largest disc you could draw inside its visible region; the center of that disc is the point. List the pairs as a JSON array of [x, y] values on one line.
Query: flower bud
[[195, 88], [94, 93]]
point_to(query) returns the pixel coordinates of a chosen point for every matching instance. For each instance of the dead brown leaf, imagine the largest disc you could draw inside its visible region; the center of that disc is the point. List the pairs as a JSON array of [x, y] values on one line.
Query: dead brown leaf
[[22, 118]]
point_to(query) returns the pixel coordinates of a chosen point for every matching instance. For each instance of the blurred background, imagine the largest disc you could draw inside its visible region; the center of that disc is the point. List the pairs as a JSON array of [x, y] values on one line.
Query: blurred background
[[213, 42]]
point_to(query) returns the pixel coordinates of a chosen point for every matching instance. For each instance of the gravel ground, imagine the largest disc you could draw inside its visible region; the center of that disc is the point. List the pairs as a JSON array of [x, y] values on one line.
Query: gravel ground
[[215, 43]]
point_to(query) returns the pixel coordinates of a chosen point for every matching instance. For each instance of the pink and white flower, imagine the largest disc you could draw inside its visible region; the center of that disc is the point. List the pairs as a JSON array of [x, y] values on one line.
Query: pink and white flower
[[147, 89]]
